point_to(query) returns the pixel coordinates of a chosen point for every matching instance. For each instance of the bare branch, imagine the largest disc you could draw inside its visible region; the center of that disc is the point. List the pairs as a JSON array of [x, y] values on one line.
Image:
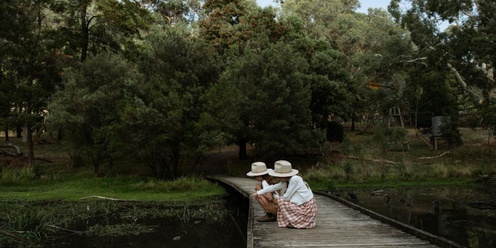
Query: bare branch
[[444, 153]]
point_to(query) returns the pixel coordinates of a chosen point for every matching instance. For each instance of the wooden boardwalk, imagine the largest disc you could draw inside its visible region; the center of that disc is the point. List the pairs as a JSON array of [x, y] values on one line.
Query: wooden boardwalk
[[338, 225]]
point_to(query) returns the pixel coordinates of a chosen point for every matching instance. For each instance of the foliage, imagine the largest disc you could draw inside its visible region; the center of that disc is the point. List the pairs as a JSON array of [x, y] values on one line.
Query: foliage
[[458, 56], [186, 76], [275, 99], [90, 27], [162, 120], [221, 16], [29, 68], [87, 106]]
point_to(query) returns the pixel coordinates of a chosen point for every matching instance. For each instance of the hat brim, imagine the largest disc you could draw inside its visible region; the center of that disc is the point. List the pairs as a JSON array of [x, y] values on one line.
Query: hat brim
[[254, 174], [290, 174]]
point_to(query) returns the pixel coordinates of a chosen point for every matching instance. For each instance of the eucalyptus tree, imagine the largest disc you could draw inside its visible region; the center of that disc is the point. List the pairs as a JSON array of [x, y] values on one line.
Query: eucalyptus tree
[[219, 19], [463, 54], [94, 26], [176, 11], [369, 48]]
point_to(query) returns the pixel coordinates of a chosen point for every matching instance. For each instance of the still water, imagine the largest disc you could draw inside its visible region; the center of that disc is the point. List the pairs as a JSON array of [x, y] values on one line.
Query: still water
[[463, 215], [219, 231]]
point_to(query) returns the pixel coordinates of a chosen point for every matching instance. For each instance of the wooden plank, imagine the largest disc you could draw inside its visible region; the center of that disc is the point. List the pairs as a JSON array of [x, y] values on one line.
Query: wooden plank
[[338, 225]]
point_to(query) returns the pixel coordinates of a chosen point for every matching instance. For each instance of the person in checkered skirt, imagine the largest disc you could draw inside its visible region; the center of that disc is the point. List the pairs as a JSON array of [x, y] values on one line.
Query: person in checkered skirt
[[296, 203], [268, 200]]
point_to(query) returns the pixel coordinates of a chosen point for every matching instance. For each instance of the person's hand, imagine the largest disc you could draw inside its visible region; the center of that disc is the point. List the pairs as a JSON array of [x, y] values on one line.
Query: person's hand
[[254, 195]]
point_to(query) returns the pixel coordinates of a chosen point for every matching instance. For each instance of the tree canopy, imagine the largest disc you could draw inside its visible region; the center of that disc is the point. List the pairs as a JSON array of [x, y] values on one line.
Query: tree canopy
[[162, 82]]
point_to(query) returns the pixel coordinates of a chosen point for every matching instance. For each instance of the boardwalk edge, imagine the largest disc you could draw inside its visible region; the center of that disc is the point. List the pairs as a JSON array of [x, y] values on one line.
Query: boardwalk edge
[[434, 239]]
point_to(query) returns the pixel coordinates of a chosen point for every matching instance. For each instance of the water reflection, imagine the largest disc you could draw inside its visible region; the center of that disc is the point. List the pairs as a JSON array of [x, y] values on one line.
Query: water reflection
[[466, 216], [226, 230]]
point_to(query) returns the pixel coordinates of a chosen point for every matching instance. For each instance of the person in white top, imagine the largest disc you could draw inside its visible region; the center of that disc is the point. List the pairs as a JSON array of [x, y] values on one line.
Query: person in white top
[[296, 203], [260, 172]]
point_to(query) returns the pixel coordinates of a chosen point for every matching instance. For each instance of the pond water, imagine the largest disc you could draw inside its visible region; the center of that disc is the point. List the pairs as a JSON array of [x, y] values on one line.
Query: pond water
[[225, 230], [463, 215]]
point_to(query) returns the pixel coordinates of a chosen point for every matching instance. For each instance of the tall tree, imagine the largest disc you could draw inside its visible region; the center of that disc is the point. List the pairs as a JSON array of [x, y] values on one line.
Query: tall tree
[[275, 106], [163, 122], [89, 104], [93, 26], [29, 69], [463, 52], [360, 40]]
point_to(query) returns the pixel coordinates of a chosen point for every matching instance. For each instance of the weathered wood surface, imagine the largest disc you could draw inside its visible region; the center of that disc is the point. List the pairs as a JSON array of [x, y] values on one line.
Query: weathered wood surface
[[337, 226]]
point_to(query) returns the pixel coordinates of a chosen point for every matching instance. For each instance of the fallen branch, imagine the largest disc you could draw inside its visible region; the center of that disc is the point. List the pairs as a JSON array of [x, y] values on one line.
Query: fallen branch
[[424, 140], [104, 198], [44, 160], [444, 153], [64, 229], [8, 234], [17, 153]]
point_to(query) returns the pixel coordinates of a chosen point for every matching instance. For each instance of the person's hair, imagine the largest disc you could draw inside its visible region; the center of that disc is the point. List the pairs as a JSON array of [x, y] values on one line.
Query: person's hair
[[269, 179]]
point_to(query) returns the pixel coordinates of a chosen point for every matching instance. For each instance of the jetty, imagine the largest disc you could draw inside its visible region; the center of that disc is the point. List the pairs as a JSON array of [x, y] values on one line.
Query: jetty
[[339, 224]]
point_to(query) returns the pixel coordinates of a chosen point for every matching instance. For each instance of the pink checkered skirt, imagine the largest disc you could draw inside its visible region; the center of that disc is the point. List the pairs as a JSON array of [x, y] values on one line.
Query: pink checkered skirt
[[297, 216]]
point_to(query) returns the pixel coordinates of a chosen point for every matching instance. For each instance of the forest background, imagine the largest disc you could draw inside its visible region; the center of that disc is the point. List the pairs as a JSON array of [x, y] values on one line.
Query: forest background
[[161, 84]]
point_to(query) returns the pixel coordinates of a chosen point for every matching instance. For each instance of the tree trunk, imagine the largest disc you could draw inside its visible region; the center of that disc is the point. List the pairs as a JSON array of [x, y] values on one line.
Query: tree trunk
[[353, 122], [29, 134], [84, 33], [242, 149], [7, 134], [60, 134], [19, 131]]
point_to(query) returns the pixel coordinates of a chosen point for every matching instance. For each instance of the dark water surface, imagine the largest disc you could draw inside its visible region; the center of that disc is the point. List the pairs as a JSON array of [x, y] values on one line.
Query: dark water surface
[[226, 231], [463, 215]]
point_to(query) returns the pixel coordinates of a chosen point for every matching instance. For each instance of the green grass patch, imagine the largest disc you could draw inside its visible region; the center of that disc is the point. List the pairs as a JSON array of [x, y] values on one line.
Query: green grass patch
[[112, 187], [324, 185]]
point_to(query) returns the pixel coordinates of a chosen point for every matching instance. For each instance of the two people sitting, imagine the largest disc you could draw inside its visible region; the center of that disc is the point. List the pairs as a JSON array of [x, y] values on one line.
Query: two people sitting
[[290, 201]]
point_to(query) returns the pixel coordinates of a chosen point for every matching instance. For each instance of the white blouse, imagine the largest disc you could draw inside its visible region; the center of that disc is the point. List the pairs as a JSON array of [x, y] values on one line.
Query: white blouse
[[297, 192], [265, 184]]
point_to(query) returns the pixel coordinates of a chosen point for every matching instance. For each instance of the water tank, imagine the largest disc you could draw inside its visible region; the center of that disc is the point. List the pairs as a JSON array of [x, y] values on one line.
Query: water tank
[[437, 123]]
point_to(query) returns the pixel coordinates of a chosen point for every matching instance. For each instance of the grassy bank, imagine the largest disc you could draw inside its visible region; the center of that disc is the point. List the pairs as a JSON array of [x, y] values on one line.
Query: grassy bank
[[121, 188], [50, 199], [362, 160]]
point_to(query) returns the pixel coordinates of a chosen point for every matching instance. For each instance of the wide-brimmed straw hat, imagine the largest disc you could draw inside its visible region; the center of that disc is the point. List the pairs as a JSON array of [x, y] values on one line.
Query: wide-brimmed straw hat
[[282, 168], [258, 169]]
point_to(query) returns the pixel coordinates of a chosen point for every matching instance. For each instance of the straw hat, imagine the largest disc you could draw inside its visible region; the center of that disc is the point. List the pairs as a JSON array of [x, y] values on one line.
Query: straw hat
[[282, 168], [258, 169]]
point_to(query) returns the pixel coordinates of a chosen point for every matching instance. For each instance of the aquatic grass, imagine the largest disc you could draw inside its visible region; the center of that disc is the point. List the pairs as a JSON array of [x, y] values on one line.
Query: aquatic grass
[[31, 225], [119, 229], [35, 221]]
